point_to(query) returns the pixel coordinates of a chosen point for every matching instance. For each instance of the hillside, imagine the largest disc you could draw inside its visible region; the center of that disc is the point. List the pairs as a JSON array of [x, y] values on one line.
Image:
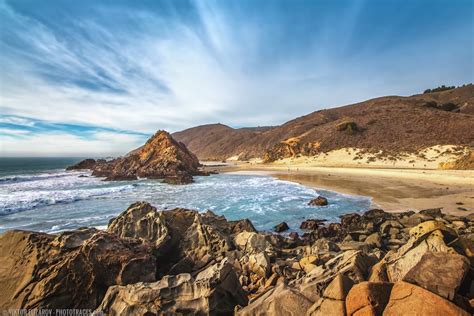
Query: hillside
[[389, 124]]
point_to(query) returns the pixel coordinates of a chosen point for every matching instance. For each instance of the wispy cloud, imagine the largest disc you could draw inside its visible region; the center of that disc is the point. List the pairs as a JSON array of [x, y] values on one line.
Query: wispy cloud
[[128, 66]]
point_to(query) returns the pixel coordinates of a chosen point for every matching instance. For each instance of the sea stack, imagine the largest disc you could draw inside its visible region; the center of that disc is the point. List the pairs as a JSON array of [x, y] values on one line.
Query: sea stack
[[161, 157]]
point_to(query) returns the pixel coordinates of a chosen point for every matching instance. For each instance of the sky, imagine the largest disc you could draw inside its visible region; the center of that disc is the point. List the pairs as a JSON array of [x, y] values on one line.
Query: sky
[[97, 78]]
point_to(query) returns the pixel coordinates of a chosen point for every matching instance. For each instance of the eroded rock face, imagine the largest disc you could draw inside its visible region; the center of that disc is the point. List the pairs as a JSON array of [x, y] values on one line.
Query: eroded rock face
[[353, 264], [70, 270], [160, 158], [185, 239], [278, 300], [215, 290], [142, 221], [409, 299], [440, 273], [427, 237]]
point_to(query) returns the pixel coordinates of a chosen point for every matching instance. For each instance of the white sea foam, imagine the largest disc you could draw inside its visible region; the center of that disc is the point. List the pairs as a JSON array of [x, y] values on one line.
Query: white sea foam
[[58, 201], [16, 201]]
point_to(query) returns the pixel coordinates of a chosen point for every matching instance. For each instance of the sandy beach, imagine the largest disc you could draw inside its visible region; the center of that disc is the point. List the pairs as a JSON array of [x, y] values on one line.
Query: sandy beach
[[391, 189]]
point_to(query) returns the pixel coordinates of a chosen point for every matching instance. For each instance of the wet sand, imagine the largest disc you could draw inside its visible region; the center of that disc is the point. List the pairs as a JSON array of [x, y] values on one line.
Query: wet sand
[[391, 189]]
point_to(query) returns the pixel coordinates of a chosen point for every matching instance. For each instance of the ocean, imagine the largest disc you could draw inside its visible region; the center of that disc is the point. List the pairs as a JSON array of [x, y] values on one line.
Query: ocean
[[38, 194]]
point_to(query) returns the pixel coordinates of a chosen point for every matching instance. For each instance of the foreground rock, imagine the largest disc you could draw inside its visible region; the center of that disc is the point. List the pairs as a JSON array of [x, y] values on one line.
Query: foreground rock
[[408, 299], [160, 158], [71, 270], [278, 300], [181, 261], [215, 290], [368, 298]]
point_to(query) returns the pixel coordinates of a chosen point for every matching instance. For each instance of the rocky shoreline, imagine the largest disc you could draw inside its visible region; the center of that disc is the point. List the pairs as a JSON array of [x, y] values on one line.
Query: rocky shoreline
[[181, 261]]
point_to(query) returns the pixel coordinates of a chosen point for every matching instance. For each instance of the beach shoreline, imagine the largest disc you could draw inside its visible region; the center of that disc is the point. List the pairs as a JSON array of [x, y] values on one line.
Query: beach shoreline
[[393, 190]]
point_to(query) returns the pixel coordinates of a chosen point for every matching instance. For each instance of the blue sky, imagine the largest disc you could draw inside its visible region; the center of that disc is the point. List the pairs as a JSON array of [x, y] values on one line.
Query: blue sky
[[98, 77]]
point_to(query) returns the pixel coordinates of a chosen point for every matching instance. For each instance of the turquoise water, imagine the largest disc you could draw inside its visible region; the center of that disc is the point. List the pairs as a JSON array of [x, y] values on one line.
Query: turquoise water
[[52, 199]]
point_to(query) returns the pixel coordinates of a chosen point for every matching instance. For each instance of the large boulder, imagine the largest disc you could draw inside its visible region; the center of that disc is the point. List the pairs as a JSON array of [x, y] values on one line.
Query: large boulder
[[409, 299], [215, 291], [278, 300], [185, 239], [353, 264], [368, 298], [319, 201], [250, 242], [333, 300], [72, 270], [440, 273], [428, 236]]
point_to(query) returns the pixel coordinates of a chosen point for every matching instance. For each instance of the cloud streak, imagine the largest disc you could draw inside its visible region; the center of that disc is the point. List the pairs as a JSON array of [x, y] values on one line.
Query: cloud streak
[[173, 65]]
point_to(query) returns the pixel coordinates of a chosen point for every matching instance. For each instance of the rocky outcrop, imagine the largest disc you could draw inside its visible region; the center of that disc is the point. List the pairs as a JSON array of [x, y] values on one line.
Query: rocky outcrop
[[83, 165], [290, 148], [182, 261], [160, 158], [71, 270], [465, 162], [214, 291]]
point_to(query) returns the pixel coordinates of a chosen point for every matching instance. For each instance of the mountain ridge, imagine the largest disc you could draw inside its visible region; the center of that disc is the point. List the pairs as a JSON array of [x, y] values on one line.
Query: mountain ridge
[[391, 124]]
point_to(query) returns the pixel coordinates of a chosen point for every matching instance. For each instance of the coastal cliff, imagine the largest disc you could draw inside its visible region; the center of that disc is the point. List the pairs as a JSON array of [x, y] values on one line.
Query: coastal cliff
[[161, 157], [182, 261]]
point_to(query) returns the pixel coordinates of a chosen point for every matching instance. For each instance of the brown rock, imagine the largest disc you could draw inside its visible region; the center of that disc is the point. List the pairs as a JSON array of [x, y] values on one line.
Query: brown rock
[[160, 158], [253, 243], [243, 225], [41, 271], [409, 299], [83, 165], [216, 290], [440, 273], [333, 300], [368, 298], [424, 238], [283, 226], [278, 300], [142, 221], [354, 264], [433, 212], [430, 226], [312, 224], [374, 240], [319, 201]]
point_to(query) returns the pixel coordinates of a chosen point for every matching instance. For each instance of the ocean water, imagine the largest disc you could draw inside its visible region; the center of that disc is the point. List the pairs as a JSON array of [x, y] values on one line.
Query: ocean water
[[37, 194]]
